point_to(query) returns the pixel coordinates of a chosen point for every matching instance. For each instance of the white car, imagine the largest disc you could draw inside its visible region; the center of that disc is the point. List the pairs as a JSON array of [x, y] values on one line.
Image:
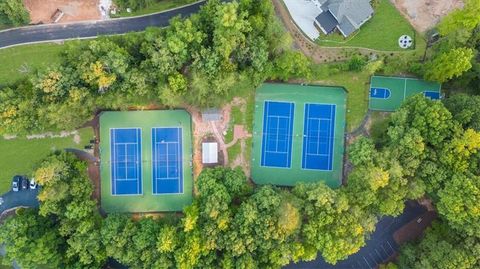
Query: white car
[[1, 200], [33, 184]]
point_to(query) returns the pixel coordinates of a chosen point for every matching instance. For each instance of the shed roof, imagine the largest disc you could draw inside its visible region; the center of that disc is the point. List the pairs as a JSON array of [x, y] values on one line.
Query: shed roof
[[212, 114], [209, 152]]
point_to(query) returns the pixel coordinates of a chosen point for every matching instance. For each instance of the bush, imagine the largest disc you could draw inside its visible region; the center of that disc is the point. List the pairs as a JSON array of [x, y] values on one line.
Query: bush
[[356, 63]]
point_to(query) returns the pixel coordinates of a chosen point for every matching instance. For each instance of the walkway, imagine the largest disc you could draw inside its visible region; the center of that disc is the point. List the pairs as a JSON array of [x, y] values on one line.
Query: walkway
[[378, 249], [56, 32]]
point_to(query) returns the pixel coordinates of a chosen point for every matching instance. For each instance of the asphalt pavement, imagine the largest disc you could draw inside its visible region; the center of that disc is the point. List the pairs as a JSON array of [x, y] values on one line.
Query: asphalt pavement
[[21, 198], [54, 32], [377, 249]]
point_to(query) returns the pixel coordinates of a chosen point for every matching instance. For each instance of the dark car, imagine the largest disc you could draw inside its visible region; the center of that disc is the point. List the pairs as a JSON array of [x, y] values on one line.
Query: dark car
[[16, 182], [24, 183]]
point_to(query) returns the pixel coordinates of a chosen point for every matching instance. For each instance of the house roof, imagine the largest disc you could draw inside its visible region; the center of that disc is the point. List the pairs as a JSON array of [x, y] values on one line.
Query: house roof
[[346, 27], [209, 152], [356, 10], [327, 21]]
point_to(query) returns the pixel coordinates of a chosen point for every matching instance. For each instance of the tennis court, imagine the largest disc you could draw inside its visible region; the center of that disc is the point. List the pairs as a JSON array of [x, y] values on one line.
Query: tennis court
[[277, 134], [388, 93], [125, 158], [298, 134], [167, 160], [318, 136], [146, 161]]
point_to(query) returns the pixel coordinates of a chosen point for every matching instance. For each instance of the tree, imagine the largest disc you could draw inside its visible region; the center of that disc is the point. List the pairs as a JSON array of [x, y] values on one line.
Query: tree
[[15, 12], [31, 240], [458, 203], [441, 248], [465, 109], [449, 64], [361, 152], [66, 195], [333, 226], [466, 18], [291, 64]]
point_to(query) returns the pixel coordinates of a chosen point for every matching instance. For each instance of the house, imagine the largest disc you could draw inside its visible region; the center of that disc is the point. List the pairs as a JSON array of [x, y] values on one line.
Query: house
[[345, 15]]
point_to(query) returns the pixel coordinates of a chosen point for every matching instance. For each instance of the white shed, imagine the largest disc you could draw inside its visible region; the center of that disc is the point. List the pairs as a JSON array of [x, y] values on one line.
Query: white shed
[[209, 152]]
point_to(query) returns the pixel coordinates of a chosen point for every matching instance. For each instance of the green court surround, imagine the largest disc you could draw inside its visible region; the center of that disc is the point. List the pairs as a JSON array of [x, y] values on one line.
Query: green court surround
[[146, 120], [300, 95], [400, 89]]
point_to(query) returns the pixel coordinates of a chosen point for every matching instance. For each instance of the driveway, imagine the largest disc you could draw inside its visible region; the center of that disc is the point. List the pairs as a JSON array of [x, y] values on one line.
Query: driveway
[[53, 32], [378, 248], [22, 198]]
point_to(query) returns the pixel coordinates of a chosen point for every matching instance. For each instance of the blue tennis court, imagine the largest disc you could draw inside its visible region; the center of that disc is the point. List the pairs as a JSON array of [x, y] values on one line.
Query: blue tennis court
[[277, 134], [167, 160], [318, 136], [432, 95], [126, 164], [380, 93]]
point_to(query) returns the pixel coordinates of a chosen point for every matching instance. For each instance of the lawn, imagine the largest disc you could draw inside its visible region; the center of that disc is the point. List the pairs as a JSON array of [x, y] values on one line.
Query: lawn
[[356, 84], [157, 6], [381, 32], [21, 61], [21, 155]]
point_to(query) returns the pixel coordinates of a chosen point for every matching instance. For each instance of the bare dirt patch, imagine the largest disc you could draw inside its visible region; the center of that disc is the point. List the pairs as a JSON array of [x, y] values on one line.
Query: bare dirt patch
[[425, 14], [41, 11]]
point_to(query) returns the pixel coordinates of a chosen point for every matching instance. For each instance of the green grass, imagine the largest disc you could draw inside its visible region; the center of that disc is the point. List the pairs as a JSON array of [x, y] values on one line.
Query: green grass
[[236, 117], [21, 61], [21, 155], [381, 32], [158, 6], [356, 84]]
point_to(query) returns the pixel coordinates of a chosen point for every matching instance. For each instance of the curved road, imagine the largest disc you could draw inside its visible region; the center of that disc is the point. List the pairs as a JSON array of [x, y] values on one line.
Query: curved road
[[53, 32]]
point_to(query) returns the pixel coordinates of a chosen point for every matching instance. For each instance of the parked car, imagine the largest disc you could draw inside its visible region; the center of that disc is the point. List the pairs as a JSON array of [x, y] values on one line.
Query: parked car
[[24, 183], [1, 200], [33, 184], [16, 183]]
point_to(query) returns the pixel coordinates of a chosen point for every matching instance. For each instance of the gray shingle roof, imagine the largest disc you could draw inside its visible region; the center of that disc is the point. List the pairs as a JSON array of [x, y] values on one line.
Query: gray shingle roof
[[356, 10], [346, 26], [349, 14], [327, 21]]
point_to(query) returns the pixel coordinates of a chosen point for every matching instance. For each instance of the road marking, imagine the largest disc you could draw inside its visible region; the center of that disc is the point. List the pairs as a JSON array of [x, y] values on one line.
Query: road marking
[[369, 266]]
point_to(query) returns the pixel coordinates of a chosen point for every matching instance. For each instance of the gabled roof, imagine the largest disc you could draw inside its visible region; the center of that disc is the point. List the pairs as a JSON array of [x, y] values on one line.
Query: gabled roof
[[357, 11], [327, 21], [346, 27]]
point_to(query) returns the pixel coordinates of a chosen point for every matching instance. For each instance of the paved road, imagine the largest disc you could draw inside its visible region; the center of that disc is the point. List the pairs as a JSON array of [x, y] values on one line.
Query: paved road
[[377, 250], [22, 198], [52, 32]]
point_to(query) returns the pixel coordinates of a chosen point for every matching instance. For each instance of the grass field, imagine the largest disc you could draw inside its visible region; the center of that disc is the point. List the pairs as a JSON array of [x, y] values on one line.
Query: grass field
[[19, 156], [381, 32], [157, 6], [21, 61], [356, 83]]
